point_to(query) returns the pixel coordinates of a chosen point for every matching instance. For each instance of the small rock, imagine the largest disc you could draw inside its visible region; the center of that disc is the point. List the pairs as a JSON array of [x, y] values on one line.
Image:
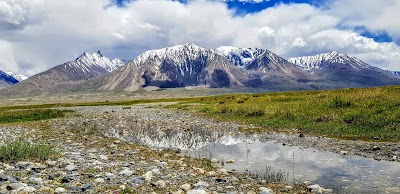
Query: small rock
[[86, 187], [71, 167], [161, 184], [264, 190], [109, 175], [148, 176], [155, 171], [28, 189], [16, 186], [375, 148], [103, 157], [185, 187], [344, 152], [126, 172], [199, 191], [51, 163], [214, 160], [230, 161], [99, 180], [38, 181], [201, 185], [222, 171], [60, 190], [301, 135]]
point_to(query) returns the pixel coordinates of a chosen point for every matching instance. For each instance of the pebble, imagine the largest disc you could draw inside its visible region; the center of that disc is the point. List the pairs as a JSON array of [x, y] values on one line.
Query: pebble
[[200, 191], [185, 187], [126, 172], [264, 190], [59, 190], [71, 167]]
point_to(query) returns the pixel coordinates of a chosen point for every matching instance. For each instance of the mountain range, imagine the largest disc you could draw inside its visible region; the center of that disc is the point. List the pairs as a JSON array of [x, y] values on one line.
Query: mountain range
[[191, 65]]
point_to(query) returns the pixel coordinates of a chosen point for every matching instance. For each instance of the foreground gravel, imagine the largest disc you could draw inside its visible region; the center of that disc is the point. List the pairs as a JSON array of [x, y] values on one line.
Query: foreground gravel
[[93, 161]]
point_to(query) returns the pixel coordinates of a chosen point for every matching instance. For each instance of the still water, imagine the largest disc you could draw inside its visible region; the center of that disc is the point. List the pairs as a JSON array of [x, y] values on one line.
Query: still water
[[343, 174]]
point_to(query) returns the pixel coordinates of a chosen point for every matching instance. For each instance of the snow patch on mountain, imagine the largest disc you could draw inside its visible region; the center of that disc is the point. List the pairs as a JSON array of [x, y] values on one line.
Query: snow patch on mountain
[[335, 57], [241, 57], [18, 77], [96, 59], [177, 54]]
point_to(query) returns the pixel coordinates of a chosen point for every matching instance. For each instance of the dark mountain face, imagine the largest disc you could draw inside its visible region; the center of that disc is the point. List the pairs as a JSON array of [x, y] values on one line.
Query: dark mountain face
[[6, 80], [65, 76]]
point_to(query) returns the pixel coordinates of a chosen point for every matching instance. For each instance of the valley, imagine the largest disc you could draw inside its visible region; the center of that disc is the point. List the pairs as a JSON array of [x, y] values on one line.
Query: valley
[[197, 131]]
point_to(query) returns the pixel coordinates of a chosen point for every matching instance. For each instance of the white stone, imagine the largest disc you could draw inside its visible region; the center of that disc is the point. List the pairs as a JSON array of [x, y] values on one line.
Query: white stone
[[99, 180], [110, 175], [264, 190], [222, 171], [148, 176], [161, 184], [59, 190], [28, 189], [103, 157], [214, 160], [185, 187], [155, 171], [344, 152], [126, 172], [70, 167], [200, 191]]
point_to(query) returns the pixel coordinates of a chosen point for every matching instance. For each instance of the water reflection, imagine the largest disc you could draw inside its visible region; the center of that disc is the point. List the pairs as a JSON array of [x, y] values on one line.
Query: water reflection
[[348, 174]]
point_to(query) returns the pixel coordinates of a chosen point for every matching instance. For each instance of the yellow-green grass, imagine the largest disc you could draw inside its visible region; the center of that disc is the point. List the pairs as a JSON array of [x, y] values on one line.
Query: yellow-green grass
[[25, 115], [366, 113], [18, 150]]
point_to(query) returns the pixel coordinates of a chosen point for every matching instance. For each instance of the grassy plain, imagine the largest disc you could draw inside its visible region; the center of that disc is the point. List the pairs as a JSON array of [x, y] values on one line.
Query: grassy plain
[[364, 113]]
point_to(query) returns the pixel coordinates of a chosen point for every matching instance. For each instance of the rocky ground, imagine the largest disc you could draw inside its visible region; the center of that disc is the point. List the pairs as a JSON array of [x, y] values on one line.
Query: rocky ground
[[98, 154], [91, 162]]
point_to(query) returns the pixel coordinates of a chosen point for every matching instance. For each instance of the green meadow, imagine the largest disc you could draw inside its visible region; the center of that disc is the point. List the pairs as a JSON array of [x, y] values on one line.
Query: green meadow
[[364, 113]]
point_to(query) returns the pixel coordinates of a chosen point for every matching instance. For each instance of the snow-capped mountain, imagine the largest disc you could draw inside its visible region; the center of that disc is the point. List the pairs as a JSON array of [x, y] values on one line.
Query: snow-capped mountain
[[6, 79], [97, 59], [344, 71], [335, 57], [265, 68], [241, 57], [18, 77], [62, 77], [177, 66]]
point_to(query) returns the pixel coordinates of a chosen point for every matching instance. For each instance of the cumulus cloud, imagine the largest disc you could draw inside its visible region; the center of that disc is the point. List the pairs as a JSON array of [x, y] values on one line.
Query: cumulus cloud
[[45, 33]]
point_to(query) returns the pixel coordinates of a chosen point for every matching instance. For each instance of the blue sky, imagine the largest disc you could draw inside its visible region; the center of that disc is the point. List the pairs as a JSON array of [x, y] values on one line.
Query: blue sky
[[40, 34]]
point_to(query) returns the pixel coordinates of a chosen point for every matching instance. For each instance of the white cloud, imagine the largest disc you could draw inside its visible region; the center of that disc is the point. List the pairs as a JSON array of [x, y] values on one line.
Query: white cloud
[[299, 42], [53, 32]]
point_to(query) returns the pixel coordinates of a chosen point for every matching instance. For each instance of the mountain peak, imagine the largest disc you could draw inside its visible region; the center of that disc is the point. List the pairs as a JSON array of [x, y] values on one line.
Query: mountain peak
[[176, 53], [241, 57], [334, 57]]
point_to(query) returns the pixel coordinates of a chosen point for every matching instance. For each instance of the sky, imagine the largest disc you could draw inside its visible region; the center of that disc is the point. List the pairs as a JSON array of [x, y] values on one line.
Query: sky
[[36, 35]]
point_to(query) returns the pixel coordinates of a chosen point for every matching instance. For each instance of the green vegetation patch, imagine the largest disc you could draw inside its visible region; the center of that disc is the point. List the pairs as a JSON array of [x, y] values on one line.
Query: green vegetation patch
[[366, 113], [18, 150], [24, 115]]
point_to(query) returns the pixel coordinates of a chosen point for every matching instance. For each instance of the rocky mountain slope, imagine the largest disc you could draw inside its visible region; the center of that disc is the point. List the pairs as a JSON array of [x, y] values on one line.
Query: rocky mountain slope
[[65, 76], [178, 66], [266, 69], [6, 80], [342, 70]]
